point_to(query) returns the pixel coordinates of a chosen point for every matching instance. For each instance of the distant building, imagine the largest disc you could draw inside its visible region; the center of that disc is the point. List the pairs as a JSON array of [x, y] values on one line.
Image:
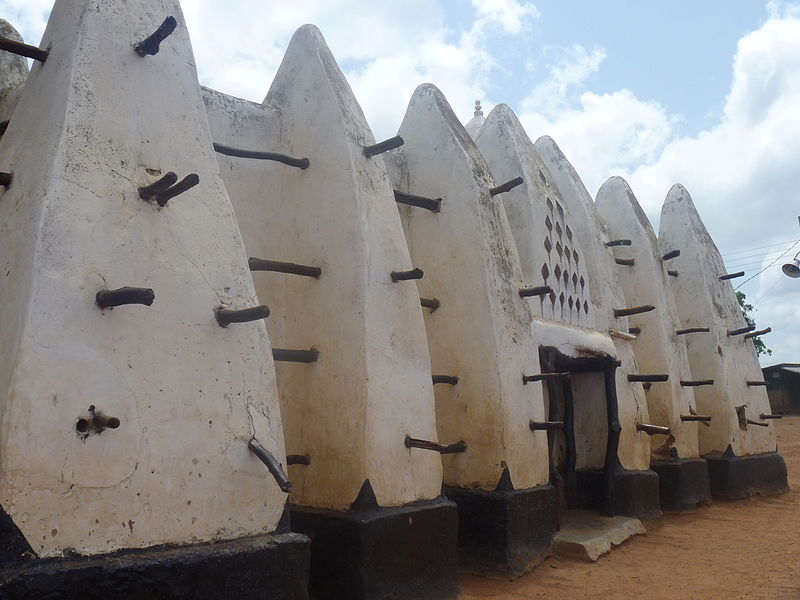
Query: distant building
[[783, 387]]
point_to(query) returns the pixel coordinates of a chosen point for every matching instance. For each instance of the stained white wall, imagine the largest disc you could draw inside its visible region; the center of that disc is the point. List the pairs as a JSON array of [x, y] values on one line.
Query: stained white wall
[[703, 300], [481, 333], [606, 293], [94, 123], [371, 386], [658, 348]]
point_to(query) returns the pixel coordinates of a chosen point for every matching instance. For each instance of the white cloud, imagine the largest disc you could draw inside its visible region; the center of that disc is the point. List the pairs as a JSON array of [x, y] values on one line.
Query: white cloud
[[509, 14]]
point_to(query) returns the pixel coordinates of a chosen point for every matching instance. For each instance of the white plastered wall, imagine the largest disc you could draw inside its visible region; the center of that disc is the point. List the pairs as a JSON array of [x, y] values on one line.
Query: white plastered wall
[[551, 254], [371, 386], [658, 348], [703, 300], [481, 332], [606, 293], [91, 121]]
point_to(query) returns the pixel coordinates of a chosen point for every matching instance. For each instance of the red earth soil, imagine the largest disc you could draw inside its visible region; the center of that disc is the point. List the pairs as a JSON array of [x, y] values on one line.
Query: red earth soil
[[746, 549]]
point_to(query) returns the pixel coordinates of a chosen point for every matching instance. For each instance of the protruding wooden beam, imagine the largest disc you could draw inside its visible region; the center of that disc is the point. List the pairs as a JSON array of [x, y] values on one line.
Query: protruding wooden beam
[[758, 333], [748, 329], [506, 187], [546, 425], [261, 264], [300, 163], [152, 44], [672, 273], [649, 378], [5, 179], [627, 336], [650, 429], [431, 204], [731, 275], [275, 468], [760, 424], [625, 262], [182, 186], [124, 295], [697, 383], [21, 49], [671, 254], [767, 417], [613, 243], [635, 330], [633, 310], [698, 418], [756, 383], [432, 303], [539, 290], [384, 146], [298, 459], [448, 379], [526, 379], [435, 446], [226, 316], [299, 356], [692, 330], [407, 275], [162, 184]]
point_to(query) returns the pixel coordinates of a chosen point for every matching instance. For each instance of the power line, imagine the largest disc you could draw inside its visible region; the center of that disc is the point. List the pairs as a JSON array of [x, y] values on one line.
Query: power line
[[754, 256], [758, 248], [768, 266]]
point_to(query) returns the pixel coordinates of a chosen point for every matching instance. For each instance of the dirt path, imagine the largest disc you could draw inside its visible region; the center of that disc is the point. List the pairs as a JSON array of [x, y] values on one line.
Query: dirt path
[[748, 549]]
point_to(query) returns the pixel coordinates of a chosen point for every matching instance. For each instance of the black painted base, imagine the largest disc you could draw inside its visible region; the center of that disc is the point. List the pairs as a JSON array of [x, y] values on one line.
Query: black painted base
[[635, 493], [406, 552], [273, 567], [734, 477], [504, 532], [683, 483]]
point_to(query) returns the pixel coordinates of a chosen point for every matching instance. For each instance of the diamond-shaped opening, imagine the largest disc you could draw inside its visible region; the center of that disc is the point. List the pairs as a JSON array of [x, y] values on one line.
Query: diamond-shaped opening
[[575, 281], [561, 299], [559, 231], [547, 245], [552, 297], [569, 233], [557, 272], [566, 277], [571, 302], [567, 253], [575, 255], [560, 210], [583, 282], [559, 249], [549, 204], [542, 177], [545, 272], [586, 307], [548, 223]]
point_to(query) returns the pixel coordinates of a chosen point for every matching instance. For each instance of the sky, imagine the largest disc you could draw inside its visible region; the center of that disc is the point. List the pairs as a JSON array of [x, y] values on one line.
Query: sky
[[706, 94]]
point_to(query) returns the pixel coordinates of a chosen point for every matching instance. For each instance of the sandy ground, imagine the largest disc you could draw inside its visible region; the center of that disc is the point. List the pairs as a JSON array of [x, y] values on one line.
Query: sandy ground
[[729, 551]]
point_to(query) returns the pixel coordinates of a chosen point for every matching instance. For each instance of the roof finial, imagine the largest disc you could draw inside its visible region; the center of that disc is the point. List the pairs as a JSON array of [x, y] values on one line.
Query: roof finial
[[478, 111]]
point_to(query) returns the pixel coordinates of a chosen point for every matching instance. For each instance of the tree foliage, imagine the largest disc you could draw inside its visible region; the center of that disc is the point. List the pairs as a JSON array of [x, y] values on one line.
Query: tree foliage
[[747, 309]]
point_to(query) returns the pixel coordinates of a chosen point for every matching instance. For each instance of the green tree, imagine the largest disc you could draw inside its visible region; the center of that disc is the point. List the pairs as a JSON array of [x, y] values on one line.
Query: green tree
[[747, 309]]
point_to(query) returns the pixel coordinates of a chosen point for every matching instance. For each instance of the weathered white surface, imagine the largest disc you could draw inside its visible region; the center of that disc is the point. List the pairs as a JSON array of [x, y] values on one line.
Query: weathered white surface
[[351, 410], [550, 252], [13, 72], [93, 119], [705, 301], [606, 294], [658, 349], [481, 333]]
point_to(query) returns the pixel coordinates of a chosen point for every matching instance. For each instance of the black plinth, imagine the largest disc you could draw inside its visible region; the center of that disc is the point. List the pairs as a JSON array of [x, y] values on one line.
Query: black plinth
[[394, 553], [734, 477], [682, 483], [635, 493], [270, 567], [504, 532]]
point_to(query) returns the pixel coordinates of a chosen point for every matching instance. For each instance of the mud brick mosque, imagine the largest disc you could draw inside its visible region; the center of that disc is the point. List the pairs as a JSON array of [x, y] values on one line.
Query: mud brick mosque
[[246, 351]]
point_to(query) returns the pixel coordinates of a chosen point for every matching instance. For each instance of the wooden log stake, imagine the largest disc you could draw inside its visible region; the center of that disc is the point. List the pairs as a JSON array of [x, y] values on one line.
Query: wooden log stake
[[431, 204], [384, 146], [540, 290], [448, 379], [697, 383], [261, 264], [506, 187], [613, 243], [731, 275], [281, 478], [407, 275], [299, 356], [436, 447], [300, 163], [649, 378], [692, 330], [124, 295], [152, 44], [650, 429], [546, 425], [21, 49], [634, 310], [226, 316]]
